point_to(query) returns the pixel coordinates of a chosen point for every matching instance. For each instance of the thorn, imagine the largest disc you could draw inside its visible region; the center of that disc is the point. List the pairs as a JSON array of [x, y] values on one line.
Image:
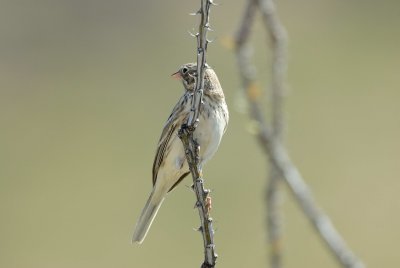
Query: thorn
[[209, 28], [213, 3], [195, 13], [191, 34], [190, 187], [213, 40]]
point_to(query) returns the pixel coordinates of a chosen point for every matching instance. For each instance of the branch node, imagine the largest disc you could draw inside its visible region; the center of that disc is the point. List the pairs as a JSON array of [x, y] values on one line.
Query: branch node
[[197, 204]]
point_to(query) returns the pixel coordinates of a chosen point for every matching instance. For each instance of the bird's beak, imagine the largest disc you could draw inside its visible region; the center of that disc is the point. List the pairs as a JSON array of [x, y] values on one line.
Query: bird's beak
[[176, 76]]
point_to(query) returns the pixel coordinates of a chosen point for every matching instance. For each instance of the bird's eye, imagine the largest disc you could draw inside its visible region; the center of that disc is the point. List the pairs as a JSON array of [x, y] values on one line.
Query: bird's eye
[[184, 70]]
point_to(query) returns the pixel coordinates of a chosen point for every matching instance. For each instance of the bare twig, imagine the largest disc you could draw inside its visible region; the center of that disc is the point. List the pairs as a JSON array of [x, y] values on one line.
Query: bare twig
[[278, 39], [269, 139], [249, 83], [192, 149]]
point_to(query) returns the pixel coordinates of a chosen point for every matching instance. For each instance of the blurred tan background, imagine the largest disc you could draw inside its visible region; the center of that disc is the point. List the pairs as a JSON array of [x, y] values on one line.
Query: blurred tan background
[[85, 89]]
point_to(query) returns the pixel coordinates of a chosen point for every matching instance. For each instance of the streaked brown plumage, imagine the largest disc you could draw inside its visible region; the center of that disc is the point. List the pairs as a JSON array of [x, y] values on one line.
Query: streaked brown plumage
[[170, 165]]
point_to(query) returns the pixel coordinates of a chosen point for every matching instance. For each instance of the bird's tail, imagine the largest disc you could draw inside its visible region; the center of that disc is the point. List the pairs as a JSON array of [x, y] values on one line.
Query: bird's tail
[[147, 216]]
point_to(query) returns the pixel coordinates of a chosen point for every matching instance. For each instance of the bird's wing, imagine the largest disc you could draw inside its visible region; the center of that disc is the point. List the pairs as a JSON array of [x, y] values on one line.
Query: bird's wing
[[174, 121]]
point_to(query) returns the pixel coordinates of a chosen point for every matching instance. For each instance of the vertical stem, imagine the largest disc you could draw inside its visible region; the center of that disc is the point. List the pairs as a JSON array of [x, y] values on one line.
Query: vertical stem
[[278, 41], [274, 218], [201, 62], [192, 149]]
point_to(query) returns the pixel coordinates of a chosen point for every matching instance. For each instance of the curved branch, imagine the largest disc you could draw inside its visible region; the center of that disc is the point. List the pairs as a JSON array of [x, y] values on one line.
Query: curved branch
[[268, 140], [278, 40]]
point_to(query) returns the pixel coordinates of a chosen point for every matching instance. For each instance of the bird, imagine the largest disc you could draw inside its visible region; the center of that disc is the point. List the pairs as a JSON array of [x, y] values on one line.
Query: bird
[[170, 166]]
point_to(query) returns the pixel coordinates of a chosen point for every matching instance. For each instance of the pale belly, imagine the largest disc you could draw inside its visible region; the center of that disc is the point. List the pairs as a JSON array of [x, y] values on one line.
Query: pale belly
[[208, 135]]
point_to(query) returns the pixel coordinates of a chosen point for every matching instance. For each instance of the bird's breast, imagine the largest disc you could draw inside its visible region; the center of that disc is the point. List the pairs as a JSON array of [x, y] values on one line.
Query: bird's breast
[[209, 132]]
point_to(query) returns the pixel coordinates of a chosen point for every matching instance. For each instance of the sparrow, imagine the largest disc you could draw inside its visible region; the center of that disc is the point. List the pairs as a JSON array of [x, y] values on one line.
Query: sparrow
[[170, 166]]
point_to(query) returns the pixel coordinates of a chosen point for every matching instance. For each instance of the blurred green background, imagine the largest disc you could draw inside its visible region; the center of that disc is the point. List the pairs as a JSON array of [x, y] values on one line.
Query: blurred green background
[[85, 89]]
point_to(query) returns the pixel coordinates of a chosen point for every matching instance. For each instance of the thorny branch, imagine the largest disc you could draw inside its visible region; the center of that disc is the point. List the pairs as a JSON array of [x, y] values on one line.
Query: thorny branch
[[269, 140], [278, 40], [192, 149]]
